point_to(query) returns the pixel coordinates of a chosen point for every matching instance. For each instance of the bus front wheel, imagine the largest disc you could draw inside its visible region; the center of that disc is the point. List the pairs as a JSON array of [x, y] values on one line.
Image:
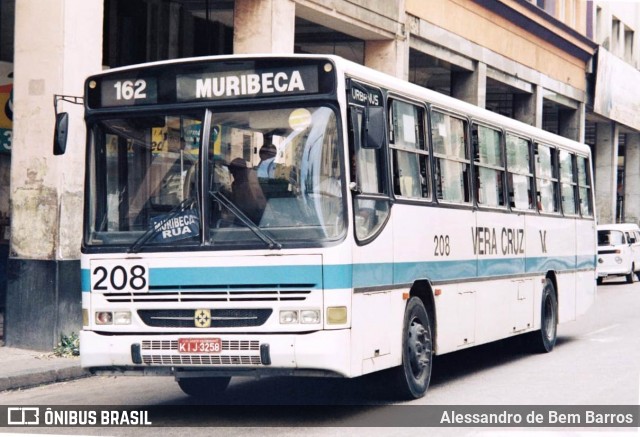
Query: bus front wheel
[[204, 387], [545, 339], [412, 377]]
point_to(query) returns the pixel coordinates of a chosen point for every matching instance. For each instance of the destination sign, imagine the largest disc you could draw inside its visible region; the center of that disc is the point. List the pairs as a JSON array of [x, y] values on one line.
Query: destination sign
[[234, 84], [210, 80]]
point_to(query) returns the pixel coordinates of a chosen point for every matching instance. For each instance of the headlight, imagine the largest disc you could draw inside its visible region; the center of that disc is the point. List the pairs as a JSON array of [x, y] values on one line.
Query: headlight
[[310, 316], [104, 318], [618, 260], [288, 317], [113, 318], [306, 316], [122, 318]]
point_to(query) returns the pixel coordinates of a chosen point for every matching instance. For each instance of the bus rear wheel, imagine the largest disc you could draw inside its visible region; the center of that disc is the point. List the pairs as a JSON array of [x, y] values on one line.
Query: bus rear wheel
[[204, 387], [545, 339], [413, 376]]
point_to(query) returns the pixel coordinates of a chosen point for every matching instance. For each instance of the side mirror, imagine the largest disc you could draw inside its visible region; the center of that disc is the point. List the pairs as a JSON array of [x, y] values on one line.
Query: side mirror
[[60, 133], [374, 128]]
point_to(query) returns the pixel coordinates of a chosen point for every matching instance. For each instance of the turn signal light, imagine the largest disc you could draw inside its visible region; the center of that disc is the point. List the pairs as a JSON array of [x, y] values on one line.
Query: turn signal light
[[336, 315]]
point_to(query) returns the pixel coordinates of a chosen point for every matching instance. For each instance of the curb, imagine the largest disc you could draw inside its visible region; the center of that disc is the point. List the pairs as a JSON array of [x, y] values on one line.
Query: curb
[[36, 378]]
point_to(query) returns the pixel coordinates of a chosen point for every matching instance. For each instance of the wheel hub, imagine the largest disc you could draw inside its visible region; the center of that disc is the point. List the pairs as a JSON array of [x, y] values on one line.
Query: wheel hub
[[419, 347]]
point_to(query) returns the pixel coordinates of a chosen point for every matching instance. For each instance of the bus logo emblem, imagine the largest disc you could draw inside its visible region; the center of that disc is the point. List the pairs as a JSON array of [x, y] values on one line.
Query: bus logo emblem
[[202, 318]]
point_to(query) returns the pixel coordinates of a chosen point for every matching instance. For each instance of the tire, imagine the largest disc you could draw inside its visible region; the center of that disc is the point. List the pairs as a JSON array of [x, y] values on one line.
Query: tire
[[411, 379], [599, 281], [544, 340], [631, 277], [204, 387]]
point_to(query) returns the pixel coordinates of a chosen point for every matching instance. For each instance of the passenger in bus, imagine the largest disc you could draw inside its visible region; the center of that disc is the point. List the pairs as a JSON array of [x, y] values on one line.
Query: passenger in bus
[[267, 165], [246, 193]]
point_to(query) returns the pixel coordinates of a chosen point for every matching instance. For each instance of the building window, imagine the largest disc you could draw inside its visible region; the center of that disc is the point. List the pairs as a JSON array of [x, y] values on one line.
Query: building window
[[628, 44]]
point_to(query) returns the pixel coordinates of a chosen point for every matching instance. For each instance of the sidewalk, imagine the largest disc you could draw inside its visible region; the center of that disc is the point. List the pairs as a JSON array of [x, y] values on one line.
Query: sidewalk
[[21, 368]]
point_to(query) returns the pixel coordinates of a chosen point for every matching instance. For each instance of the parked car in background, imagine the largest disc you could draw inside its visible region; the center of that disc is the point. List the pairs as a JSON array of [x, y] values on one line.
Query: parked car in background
[[619, 251]]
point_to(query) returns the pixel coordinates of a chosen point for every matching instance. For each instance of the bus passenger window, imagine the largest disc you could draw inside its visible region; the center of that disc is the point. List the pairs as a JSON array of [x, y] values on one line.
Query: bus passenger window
[[410, 157], [567, 183], [489, 165], [546, 178], [519, 175], [448, 135], [584, 187]]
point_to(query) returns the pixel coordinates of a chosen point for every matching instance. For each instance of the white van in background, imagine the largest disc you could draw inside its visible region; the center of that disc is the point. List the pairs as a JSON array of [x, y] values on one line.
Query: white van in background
[[619, 251]]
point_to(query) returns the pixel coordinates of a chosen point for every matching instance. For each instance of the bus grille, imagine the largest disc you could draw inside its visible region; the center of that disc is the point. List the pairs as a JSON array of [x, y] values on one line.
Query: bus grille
[[220, 318], [204, 294], [207, 360], [195, 360]]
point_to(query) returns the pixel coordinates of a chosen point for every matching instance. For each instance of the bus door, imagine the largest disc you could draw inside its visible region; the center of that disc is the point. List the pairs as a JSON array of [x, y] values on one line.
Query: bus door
[[372, 251]]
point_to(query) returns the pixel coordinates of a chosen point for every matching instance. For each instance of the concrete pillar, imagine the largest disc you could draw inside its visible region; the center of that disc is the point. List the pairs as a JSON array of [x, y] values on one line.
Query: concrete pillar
[[606, 171], [391, 57], [632, 179], [571, 123], [471, 86], [57, 44], [527, 108], [263, 26]]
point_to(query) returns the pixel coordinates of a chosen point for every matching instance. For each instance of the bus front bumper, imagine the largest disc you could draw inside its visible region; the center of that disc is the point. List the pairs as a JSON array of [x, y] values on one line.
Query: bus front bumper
[[321, 353]]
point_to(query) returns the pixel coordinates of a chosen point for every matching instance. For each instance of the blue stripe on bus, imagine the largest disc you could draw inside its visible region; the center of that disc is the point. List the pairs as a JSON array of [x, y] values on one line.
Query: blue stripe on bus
[[356, 275]]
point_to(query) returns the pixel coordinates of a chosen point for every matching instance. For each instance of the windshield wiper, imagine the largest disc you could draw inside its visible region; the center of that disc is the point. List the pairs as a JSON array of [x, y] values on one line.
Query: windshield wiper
[[153, 230], [224, 201]]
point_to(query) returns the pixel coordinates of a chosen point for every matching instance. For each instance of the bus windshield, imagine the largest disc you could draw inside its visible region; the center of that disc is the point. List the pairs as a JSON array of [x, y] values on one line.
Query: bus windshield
[[272, 176]]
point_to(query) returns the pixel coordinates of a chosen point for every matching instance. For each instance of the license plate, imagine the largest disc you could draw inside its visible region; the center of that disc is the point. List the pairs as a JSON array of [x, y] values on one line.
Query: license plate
[[199, 345]]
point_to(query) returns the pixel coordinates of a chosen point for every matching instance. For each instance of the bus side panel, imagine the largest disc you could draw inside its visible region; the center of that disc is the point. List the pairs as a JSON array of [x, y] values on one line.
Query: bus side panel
[[436, 244], [551, 246], [505, 306], [586, 263], [377, 330]]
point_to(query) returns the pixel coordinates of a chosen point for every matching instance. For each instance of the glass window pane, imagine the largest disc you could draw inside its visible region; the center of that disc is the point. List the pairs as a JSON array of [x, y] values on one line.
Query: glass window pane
[[490, 189], [583, 178], [585, 201], [566, 166], [487, 146], [411, 174], [448, 135], [521, 192], [407, 128], [451, 180], [544, 166], [568, 199], [547, 201], [518, 154]]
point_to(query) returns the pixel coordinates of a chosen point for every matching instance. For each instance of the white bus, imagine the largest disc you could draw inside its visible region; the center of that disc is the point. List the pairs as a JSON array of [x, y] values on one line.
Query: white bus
[[393, 224]]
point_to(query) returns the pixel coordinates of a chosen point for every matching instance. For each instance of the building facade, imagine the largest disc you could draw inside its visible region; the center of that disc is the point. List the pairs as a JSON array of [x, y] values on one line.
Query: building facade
[[566, 66]]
